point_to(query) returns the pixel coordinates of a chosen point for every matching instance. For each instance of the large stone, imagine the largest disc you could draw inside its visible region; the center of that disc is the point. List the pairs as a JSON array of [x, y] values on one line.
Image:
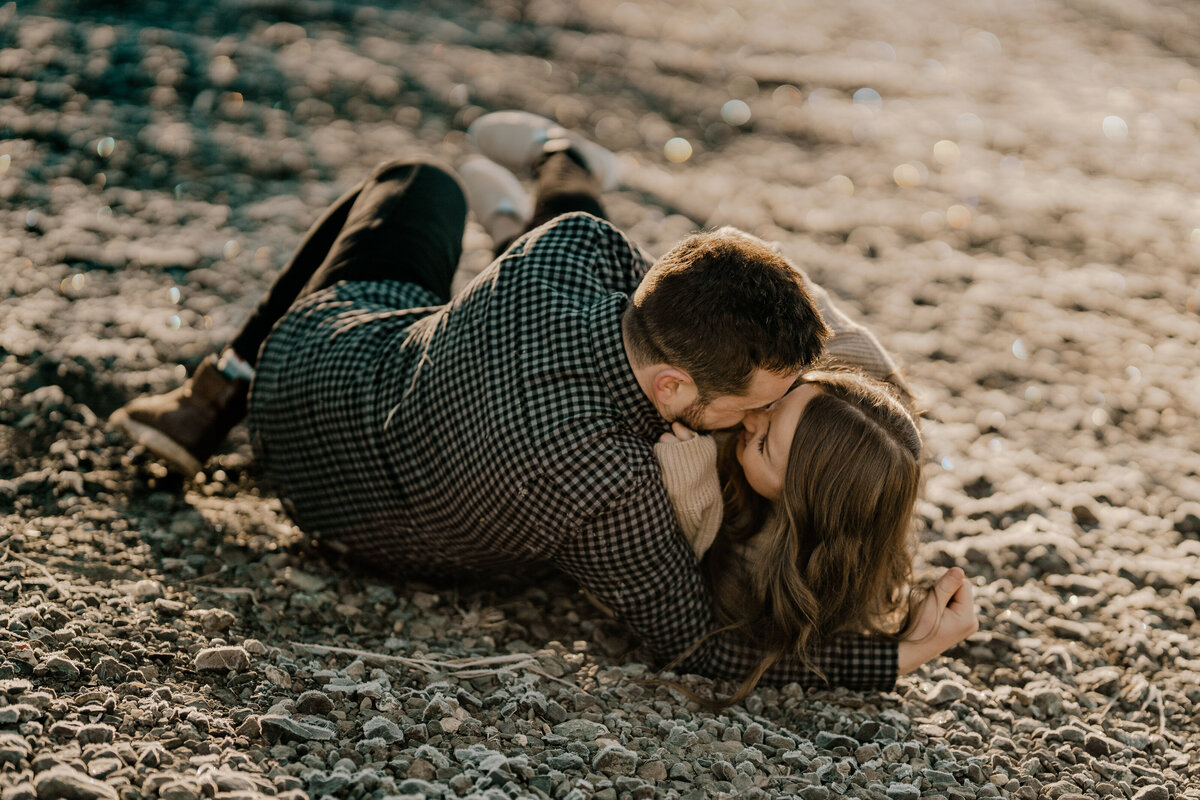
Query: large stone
[[277, 728], [64, 783], [222, 659]]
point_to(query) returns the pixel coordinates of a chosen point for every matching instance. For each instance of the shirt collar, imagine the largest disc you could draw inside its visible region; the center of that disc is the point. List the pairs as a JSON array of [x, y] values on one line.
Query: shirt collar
[[612, 366]]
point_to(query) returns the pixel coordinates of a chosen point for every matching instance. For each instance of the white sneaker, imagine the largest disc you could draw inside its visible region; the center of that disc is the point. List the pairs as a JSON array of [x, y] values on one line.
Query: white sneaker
[[496, 197], [514, 139]]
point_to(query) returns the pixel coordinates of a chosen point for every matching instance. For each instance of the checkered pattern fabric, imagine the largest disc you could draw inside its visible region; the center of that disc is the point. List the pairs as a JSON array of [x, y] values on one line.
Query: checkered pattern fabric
[[501, 429]]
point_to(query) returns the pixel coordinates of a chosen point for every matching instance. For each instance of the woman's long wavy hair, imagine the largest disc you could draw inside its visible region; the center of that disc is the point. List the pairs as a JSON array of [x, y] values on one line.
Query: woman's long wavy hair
[[835, 552]]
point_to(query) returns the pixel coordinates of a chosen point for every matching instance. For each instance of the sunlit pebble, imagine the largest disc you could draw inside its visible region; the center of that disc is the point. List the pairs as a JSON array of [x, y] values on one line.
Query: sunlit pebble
[[864, 131], [840, 184], [958, 216], [174, 294], [101, 180], [996, 445], [459, 95], [173, 322], [946, 153], [77, 281], [105, 147], [1133, 374], [208, 323], [1019, 349], [868, 97], [742, 86], [1099, 417], [983, 41], [262, 254], [735, 112], [947, 464], [231, 249], [881, 51], [1073, 600], [906, 176], [1034, 395], [5, 162], [222, 70], [932, 220], [32, 217], [820, 99], [180, 372], [1115, 128], [677, 150], [787, 93], [933, 68], [969, 125]]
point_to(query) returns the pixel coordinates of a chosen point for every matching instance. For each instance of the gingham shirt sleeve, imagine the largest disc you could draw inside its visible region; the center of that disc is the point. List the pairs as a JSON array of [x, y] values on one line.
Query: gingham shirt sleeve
[[636, 562]]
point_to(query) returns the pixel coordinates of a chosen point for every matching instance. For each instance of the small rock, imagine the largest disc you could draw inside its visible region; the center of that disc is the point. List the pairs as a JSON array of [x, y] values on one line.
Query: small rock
[[13, 748], [615, 760], [110, 671], [64, 783], [1098, 745], [580, 730], [314, 702], [145, 590], [214, 620], [829, 741], [222, 659], [303, 581], [903, 791], [254, 647], [277, 728], [60, 667], [97, 733], [381, 727], [20, 791], [944, 693], [653, 771], [1154, 792]]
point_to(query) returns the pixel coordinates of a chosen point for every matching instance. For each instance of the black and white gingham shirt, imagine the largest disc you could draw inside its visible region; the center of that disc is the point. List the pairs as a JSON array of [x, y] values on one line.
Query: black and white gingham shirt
[[502, 429]]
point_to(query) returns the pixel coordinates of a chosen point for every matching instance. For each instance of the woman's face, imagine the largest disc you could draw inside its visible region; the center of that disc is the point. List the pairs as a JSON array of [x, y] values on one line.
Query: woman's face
[[766, 440]]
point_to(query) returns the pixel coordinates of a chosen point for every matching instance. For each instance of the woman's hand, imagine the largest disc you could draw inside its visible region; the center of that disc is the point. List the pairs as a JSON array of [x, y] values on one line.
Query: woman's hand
[[679, 433], [945, 618]]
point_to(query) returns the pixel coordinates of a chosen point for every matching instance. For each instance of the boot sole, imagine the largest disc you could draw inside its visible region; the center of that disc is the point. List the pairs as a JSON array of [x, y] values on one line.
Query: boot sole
[[157, 442]]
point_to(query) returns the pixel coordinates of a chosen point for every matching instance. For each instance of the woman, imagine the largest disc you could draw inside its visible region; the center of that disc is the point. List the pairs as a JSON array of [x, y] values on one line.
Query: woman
[[812, 535]]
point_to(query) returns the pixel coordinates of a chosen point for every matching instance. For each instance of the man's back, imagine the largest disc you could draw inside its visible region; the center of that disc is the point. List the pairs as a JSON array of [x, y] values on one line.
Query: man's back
[[481, 433]]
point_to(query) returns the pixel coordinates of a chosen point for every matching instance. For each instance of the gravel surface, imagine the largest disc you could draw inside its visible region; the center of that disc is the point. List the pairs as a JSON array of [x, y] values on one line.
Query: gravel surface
[[1005, 192]]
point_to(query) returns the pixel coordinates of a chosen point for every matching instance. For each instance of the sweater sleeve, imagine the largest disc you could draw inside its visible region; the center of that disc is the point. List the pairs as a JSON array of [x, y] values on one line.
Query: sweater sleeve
[[690, 475]]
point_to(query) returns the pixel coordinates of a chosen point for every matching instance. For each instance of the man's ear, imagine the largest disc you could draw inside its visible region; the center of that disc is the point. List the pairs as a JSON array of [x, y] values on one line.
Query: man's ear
[[673, 388]]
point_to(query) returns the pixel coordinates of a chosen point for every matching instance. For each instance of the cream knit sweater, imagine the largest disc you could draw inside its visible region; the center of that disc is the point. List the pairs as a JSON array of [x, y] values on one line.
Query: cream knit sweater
[[690, 468]]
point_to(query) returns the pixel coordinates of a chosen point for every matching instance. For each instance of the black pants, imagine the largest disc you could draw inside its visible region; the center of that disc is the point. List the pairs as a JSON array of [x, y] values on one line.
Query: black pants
[[404, 222]]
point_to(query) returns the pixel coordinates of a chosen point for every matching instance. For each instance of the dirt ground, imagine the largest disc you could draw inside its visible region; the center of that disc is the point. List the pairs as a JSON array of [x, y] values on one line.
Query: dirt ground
[[1003, 192]]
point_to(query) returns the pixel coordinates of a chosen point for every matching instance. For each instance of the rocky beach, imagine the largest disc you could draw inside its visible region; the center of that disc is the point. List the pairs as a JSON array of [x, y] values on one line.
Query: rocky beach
[[1003, 192]]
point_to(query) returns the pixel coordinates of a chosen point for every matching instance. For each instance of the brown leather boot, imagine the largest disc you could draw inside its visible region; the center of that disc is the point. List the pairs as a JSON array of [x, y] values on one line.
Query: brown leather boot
[[186, 426]]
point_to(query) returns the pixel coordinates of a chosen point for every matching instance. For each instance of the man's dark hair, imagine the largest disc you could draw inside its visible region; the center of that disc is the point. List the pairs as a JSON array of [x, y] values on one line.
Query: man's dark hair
[[721, 305]]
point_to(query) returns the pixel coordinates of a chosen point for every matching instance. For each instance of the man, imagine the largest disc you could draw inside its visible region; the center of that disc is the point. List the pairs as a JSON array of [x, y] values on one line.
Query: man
[[515, 423]]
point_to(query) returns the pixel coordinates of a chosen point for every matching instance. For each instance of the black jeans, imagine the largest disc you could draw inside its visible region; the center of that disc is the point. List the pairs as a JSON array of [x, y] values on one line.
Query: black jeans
[[404, 222]]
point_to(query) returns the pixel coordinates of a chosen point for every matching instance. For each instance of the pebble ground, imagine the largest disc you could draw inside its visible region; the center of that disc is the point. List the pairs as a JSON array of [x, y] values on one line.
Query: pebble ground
[[1005, 192]]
